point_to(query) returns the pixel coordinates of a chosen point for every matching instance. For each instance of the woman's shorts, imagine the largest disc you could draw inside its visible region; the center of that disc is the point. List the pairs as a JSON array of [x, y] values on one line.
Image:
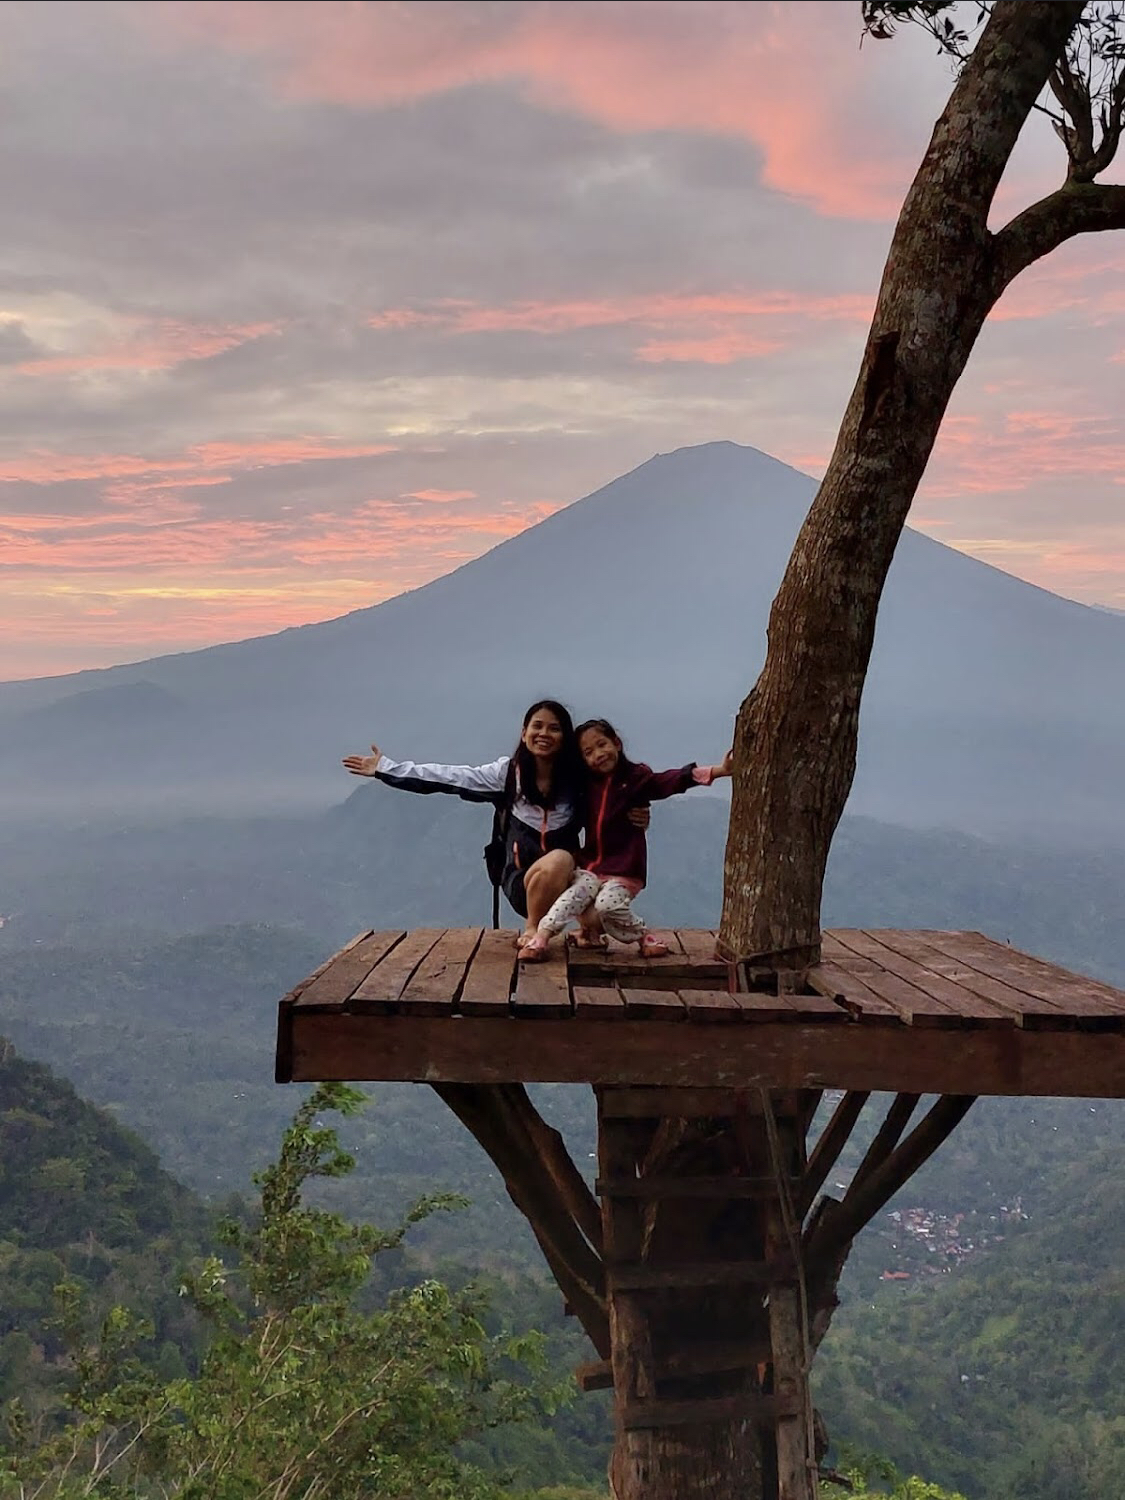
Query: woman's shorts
[[511, 883]]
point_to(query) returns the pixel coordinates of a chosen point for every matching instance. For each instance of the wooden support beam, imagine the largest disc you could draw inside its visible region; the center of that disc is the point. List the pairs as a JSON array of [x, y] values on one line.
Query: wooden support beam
[[571, 1185], [640, 1103], [488, 1114], [640, 1276], [887, 1136], [779, 1056], [668, 1185], [634, 1373], [826, 1152], [684, 1362], [837, 1228]]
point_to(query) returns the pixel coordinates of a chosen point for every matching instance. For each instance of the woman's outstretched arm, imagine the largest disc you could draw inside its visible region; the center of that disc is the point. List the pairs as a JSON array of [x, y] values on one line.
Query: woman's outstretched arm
[[474, 783]]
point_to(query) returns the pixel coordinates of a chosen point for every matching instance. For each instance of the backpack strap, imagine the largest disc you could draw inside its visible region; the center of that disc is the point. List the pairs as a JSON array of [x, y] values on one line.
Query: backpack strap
[[501, 822]]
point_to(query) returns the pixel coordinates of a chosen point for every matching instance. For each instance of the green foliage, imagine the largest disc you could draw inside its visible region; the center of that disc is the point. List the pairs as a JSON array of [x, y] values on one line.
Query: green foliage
[[302, 1394], [82, 1202]]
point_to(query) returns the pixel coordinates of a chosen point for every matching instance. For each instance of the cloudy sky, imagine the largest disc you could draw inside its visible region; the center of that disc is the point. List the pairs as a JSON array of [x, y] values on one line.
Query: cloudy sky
[[304, 304]]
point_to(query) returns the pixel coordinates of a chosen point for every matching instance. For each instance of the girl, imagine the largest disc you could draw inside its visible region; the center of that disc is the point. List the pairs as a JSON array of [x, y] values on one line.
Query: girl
[[614, 859], [539, 791]]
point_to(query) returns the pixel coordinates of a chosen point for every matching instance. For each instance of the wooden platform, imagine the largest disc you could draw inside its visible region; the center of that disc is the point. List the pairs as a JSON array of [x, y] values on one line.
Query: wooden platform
[[922, 1012]]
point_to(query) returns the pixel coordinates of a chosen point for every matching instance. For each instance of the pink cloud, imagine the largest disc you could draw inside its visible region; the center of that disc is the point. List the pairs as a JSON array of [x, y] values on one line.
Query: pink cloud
[[662, 309], [38, 466], [162, 347], [443, 497], [1022, 448], [718, 349], [696, 327], [787, 78]]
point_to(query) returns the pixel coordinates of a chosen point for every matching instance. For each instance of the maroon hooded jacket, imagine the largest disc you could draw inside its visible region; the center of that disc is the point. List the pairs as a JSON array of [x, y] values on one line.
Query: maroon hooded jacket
[[612, 845]]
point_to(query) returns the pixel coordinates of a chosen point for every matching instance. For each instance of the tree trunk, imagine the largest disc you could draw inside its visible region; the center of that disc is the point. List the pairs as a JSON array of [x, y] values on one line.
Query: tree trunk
[[716, 1461], [796, 735]]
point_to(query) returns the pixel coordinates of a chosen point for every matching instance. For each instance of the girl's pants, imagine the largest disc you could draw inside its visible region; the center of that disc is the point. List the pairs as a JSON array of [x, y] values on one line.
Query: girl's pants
[[611, 899]]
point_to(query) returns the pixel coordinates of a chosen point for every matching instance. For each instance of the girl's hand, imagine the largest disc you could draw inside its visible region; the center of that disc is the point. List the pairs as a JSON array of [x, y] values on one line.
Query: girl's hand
[[363, 765], [727, 766], [641, 816]]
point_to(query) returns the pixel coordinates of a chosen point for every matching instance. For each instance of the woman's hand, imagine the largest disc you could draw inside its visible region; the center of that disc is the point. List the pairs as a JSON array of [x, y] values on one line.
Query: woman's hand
[[363, 765], [640, 817]]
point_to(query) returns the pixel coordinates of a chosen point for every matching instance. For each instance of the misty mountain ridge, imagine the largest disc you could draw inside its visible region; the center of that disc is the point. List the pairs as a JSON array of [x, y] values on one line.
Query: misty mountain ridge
[[991, 706]]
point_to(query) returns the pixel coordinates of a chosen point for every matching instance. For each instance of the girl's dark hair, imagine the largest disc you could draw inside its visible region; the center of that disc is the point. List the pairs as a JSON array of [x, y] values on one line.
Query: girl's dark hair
[[568, 769], [606, 728]]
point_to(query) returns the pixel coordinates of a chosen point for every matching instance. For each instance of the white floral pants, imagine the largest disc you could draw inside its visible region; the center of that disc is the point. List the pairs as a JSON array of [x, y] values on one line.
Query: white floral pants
[[611, 900]]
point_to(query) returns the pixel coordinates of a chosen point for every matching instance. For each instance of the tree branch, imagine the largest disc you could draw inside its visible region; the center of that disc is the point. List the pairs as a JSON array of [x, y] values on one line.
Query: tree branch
[[1078, 208]]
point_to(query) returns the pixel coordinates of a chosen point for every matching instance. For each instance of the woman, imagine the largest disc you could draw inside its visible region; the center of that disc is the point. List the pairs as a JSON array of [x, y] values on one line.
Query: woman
[[540, 791]]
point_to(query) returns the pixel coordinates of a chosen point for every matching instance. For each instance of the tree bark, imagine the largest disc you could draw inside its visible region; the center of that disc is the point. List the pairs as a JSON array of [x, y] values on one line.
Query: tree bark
[[795, 740]]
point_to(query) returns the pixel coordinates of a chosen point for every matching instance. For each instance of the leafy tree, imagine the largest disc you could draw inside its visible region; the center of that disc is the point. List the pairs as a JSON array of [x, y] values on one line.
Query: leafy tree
[[302, 1394]]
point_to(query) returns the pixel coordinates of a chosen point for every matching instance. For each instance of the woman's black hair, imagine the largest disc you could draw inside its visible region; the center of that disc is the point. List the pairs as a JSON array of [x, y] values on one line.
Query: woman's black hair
[[606, 728], [568, 771]]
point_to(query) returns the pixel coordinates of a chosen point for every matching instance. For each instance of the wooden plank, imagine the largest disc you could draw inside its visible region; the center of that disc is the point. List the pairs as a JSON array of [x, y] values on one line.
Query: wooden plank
[[782, 1057], [437, 980], [759, 1006], [490, 976], [349, 969], [1074, 993], [666, 1185], [690, 1359], [711, 1005], [654, 1005], [687, 1104], [598, 1004], [1025, 1010], [379, 992], [621, 963], [978, 1008], [636, 1415], [643, 1277], [848, 990], [699, 947], [543, 989], [299, 989], [918, 1006], [595, 1375]]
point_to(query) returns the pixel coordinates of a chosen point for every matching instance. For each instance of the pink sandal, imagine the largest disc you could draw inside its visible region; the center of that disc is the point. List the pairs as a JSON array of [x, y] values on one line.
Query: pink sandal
[[534, 951], [587, 940], [652, 947]]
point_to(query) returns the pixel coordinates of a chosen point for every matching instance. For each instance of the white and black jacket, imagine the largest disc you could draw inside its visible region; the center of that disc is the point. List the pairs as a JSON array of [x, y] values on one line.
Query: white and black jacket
[[532, 829]]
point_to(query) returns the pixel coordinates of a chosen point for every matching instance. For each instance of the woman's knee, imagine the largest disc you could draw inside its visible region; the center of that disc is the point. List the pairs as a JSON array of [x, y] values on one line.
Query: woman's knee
[[553, 869]]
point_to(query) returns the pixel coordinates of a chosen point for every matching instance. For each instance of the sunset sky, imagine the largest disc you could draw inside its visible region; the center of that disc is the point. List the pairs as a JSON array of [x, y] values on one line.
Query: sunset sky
[[304, 304]]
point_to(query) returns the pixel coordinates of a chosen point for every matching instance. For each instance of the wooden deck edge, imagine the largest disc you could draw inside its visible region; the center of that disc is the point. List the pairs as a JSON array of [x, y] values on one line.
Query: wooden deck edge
[[783, 1055]]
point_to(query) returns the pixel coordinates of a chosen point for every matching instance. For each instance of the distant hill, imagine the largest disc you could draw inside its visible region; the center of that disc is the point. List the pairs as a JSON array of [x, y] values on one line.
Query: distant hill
[[1007, 1377], [82, 1199], [992, 705]]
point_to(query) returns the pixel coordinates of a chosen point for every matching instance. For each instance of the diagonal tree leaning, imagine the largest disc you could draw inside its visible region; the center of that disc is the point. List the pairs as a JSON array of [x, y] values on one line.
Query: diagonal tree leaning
[[797, 730], [795, 740]]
